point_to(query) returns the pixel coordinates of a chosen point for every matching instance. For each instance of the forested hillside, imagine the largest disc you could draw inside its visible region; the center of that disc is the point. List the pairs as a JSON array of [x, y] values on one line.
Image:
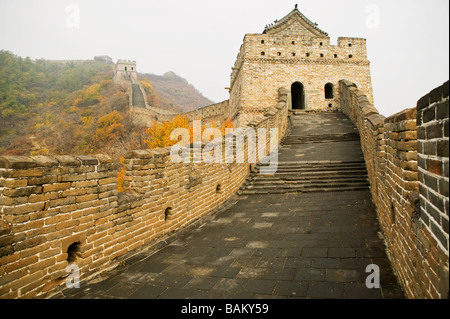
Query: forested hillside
[[61, 107], [73, 107]]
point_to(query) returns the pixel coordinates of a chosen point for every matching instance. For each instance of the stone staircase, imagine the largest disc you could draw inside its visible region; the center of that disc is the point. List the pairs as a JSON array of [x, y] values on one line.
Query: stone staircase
[[137, 98], [306, 177], [320, 154]]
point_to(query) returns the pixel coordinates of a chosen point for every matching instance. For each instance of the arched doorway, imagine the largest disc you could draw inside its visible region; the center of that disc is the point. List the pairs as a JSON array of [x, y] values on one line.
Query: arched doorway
[[298, 96], [329, 94]]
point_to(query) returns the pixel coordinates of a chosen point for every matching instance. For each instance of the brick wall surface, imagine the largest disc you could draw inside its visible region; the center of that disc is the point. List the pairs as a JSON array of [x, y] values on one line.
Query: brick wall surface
[[407, 160], [48, 203]]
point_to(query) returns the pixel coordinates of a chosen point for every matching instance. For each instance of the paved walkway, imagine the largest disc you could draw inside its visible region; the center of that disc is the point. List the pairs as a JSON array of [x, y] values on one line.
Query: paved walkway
[[304, 242]]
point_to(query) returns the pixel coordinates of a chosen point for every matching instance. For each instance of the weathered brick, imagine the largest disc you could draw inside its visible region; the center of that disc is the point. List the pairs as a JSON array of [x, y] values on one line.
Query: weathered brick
[[74, 192], [20, 192], [6, 240], [56, 187], [442, 148], [429, 115], [43, 264], [66, 160], [42, 180], [445, 89], [26, 173], [29, 226], [434, 166], [431, 182], [72, 177], [443, 187], [96, 175], [436, 95], [429, 148], [13, 276], [16, 162], [24, 209], [442, 110], [62, 201], [28, 243], [86, 198], [67, 224], [34, 198], [438, 232], [57, 219], [434, 131], [83, 184], [104, 181], [6, 250], [87, 160], [11, 201], [15, 183], [45, 161]]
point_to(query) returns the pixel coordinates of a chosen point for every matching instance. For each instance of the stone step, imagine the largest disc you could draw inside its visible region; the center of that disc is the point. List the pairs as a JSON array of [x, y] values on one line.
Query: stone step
[[137, 96], [327, 188], [325, 138], [315, 163], [346, 170], [308, 176], [308, 184], [316, 171], [262, 182]]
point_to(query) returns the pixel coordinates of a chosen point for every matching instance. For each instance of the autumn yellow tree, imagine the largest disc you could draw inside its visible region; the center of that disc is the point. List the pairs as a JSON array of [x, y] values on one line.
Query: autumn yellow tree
[[109, 127], [159, 134], [121, 175]]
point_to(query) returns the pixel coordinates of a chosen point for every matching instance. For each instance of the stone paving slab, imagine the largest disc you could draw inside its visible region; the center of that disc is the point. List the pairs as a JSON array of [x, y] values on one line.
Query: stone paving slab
[[307, 253]]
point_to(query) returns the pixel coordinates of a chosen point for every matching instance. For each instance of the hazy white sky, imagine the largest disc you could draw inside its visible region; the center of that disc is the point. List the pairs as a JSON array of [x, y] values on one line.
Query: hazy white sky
[[408, 40]]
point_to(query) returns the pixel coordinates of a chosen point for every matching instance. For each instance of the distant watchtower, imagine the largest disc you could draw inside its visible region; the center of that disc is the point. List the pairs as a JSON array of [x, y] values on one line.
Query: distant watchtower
[[125, 70], [295, 54]]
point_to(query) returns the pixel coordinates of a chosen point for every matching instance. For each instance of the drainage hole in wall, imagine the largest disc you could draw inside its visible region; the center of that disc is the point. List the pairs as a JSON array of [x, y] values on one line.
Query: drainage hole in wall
[[73, 252], [168, 213]]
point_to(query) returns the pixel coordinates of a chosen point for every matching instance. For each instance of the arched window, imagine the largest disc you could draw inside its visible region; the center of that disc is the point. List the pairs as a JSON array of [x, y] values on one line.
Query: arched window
[[329, 91]]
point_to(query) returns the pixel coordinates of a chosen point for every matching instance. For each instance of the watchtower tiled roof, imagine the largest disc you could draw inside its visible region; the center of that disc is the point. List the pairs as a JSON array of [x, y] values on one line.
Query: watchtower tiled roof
[[295, 21]]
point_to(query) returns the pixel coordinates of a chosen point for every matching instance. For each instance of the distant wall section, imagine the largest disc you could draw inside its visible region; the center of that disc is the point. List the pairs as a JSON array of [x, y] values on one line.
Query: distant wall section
[[216, 112]]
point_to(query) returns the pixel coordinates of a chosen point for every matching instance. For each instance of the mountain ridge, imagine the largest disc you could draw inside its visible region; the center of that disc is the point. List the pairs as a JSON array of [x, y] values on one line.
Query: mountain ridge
[[181, 94]]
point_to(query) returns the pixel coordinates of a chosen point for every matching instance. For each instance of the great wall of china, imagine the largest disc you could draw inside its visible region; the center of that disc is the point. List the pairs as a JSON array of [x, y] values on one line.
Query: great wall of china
[[62, 210]]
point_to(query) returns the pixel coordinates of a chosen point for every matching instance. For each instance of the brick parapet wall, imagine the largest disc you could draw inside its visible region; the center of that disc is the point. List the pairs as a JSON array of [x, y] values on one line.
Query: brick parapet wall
[[49, 203], [407, 161]]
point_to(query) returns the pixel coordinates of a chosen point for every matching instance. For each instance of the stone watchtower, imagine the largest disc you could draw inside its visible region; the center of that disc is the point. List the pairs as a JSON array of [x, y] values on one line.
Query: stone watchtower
[[295, 54], [125, 70]]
